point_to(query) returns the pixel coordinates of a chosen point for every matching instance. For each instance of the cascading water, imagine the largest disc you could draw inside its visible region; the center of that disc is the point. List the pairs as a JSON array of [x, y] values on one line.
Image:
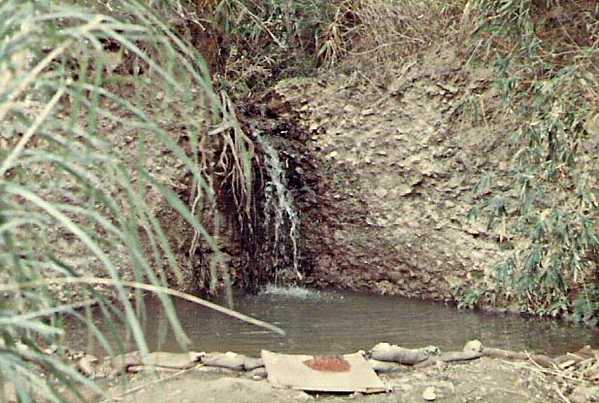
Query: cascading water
[[281, 218]]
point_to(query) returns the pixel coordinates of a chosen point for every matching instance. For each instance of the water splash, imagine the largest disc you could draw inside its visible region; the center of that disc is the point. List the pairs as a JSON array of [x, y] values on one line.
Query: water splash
[[281, 218], [294, 292]]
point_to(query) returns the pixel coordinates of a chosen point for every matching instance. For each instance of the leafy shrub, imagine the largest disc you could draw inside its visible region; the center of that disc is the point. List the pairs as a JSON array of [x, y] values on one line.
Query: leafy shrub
[[547, 210]]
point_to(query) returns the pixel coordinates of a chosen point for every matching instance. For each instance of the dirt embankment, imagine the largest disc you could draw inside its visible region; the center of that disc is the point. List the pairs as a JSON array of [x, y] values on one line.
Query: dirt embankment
[[399, 160]]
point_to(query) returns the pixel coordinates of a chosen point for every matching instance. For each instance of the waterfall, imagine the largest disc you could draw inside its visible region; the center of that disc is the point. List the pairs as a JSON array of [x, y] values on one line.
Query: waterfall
[[281, 218]]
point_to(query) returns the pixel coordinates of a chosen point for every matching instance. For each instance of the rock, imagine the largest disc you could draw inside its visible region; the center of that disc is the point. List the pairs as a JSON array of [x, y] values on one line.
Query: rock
[[350, 109], [384, 366], [447, 87], [368, 112], [429, 394], [216, 370], [173, 360], [405, 356], [473, 346], [86, 365], [451, 356], [136, 369], [251, 363], [228, 360], [592, 375], [52, 349], [258, 373]]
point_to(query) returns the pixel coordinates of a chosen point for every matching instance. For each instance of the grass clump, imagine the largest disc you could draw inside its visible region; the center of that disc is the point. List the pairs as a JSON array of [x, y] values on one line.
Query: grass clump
[[94, 100], [546, 69], [252, 44], [400, 28]]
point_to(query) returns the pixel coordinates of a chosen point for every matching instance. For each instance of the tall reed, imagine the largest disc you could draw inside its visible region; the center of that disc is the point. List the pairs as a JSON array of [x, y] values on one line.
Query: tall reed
[[105, 116]]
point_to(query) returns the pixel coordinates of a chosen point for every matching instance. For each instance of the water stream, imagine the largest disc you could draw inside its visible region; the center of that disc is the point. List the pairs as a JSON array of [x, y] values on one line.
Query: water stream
[[281, 217], [323, 322]]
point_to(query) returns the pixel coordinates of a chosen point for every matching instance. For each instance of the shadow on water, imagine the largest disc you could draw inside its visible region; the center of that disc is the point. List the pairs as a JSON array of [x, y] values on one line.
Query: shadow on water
[[334, 322]]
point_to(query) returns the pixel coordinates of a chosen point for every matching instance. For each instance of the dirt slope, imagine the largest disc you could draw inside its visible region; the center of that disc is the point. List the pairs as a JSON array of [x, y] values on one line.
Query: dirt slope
[[400, 158]]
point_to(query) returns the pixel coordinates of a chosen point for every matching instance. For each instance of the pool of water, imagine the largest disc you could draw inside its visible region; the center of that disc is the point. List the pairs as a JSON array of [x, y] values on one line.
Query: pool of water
[[335, 322]]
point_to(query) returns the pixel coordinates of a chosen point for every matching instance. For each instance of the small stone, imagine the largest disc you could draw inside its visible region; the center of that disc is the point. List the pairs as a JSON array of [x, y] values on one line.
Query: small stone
[[448, 87], [86, 365], [592, 375], [368, 112], [473, 346], [53, 348], [350, 108], [381, 192], [258, 374], [429, 394], [384, 366], [404, 190]]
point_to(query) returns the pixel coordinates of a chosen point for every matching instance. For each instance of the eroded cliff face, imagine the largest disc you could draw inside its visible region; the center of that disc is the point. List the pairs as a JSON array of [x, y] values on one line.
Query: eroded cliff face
[[398, 161]]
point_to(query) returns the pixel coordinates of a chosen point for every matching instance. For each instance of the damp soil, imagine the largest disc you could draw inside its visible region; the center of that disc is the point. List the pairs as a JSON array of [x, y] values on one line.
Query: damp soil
[[484, 380]]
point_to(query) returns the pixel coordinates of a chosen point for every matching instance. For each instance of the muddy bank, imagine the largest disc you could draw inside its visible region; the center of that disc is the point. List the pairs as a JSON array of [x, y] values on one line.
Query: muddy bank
[[484, 380], [477, 373]]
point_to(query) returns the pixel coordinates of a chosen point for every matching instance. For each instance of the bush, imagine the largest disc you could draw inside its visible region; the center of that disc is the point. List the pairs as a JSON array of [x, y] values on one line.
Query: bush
[[547, 210]]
